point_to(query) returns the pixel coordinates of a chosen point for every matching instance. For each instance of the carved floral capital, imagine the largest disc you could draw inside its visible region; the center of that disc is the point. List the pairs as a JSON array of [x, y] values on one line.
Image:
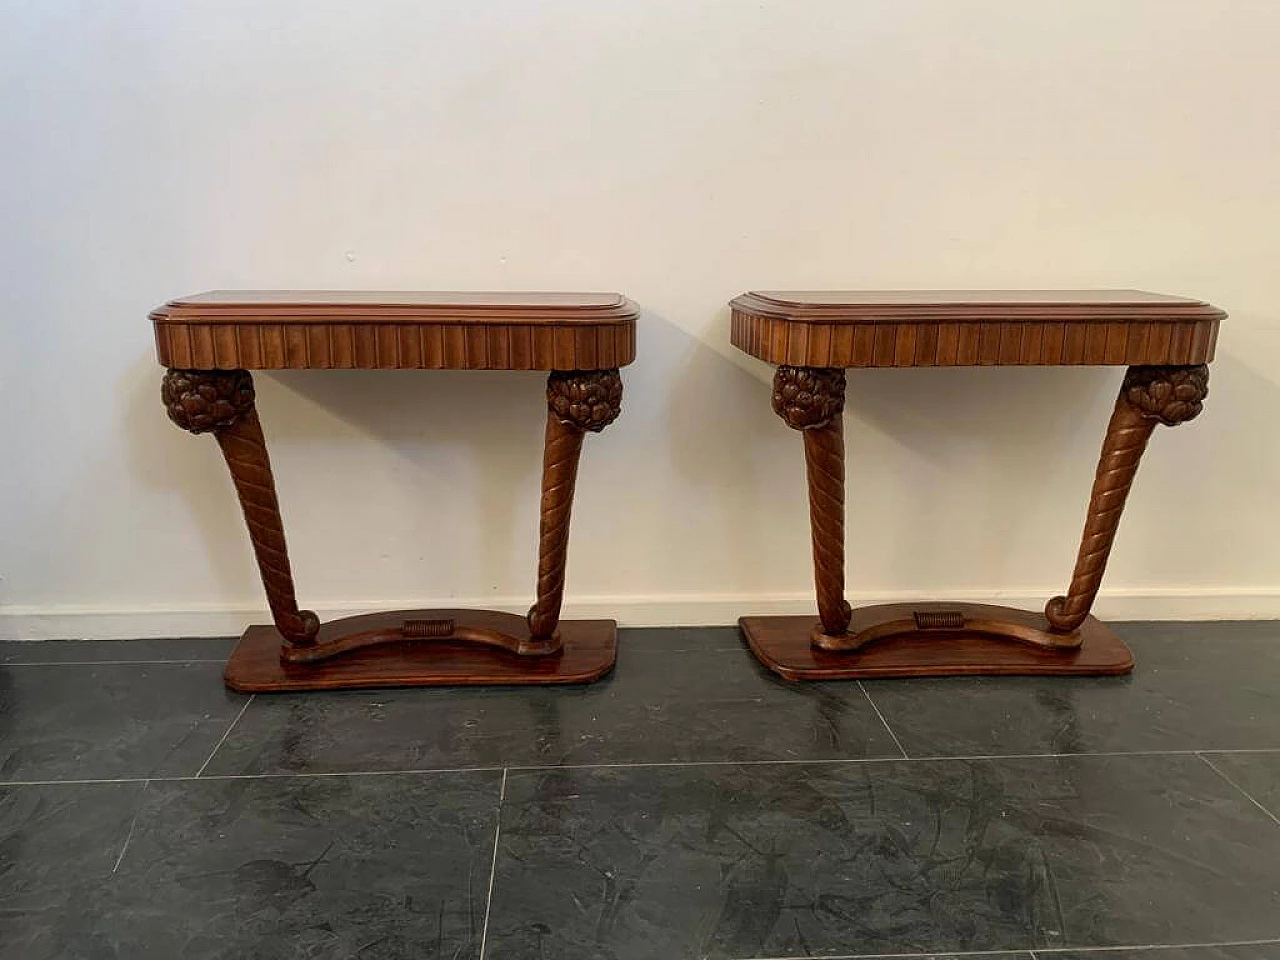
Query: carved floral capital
[[204, 400], [808, 397], [586, 399], [1172, 395]]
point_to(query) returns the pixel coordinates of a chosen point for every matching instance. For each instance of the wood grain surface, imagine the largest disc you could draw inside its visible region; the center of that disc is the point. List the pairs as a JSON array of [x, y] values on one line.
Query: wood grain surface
[[374, 330], [588, 653], [974, 328], [784, 645]]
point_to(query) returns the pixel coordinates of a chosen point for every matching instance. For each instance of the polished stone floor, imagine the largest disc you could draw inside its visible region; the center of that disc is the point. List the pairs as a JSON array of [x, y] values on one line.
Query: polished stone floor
[[689, 806]]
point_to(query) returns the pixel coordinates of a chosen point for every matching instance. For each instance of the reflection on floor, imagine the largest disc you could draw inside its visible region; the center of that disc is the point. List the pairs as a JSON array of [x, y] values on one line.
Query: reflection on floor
[[691, 805]]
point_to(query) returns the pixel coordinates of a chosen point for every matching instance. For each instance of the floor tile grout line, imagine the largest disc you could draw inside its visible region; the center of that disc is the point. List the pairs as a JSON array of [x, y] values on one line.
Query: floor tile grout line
[[549, 768], [876, 707], [1250, 797], [1205, 750], [226, 733], [133, 824], [904, 956], [100, 663], [931, 759], [1113, 948], [539, 768], [1027, 950], [1185, 752], [341, 773], [251, 776], [493, 866]]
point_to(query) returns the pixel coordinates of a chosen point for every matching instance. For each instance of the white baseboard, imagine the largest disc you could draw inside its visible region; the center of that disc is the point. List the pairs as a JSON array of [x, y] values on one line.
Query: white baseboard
[[658, 610]]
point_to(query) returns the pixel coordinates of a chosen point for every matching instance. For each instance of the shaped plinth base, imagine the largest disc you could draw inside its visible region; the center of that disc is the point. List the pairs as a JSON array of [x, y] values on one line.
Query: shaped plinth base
[[785, 645], [588, 652]]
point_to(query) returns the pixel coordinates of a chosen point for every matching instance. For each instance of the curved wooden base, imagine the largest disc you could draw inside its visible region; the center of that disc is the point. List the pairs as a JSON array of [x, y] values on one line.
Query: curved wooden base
[[514, 638], [589, 649], [995, 640]]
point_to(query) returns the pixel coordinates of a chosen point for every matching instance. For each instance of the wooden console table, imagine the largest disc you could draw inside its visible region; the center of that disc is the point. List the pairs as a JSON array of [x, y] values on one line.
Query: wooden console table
[[211, 341], [1166, 343]]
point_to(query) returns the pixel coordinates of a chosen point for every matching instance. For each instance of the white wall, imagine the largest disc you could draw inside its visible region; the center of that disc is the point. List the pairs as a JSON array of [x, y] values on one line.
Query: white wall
[[677, 151]]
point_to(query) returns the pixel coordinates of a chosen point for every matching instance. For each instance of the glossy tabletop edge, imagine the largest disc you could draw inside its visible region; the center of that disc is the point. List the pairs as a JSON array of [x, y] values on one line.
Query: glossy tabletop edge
[[945, 340], [956, 306], [360, 307]]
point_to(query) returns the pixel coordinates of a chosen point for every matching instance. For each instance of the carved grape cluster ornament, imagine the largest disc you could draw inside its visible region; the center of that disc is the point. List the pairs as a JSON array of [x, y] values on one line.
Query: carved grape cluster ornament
[[204, 400], [587, 399], [1172, 395], [808, 397]]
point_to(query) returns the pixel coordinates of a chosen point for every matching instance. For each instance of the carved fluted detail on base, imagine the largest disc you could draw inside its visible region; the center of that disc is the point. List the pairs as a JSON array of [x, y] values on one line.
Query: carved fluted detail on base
[[1149, 395], [222, 402], [577, 402], [811, 399]]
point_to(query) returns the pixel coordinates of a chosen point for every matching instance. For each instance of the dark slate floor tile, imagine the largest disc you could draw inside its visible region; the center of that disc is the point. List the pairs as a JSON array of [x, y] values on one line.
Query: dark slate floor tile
[[682, 638], [1257, 774], [1197, 686], [1000, 955], [323, 868], [55, 842], [110, 721], [1247, 951], [656, 707], [99, 651], [770, 860]]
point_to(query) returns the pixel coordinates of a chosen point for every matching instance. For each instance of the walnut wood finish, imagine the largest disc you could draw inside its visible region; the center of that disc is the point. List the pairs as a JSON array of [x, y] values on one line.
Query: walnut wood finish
[[812, 401], [576, 402], [476, 331], [222, 402], [588, 653], [382, 330], [815, 335], [950, 328], [784, 645], [1149, 395]]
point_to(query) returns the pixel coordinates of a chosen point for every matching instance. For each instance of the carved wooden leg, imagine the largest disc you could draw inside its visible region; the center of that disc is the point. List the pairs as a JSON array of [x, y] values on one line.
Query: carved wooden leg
[[1150, 395], [811, 399], [577, 401], [222, 402]]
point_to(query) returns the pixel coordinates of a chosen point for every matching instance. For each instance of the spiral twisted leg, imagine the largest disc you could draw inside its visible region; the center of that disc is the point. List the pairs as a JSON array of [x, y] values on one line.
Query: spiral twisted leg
[[811, 399], [245, 450], [824, 463], [222, 402], [1149, 395], [1127, 436], [577, 401], [559, 473]]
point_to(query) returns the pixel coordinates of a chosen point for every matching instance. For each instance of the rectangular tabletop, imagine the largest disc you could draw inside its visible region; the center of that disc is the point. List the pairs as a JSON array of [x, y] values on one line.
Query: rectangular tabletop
[[926, 328], [395, 329]]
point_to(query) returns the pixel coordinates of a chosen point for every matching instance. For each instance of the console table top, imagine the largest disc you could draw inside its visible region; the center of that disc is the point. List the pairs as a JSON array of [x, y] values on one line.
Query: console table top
[[909, 328], [395, 329]]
